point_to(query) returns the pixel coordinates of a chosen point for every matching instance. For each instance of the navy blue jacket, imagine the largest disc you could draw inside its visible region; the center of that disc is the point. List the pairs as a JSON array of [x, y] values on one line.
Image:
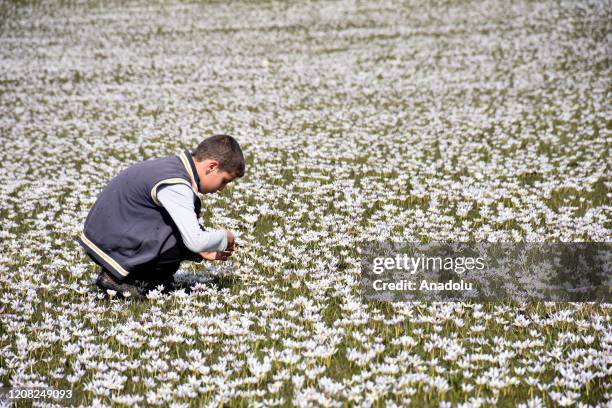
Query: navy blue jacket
[[127, 228]]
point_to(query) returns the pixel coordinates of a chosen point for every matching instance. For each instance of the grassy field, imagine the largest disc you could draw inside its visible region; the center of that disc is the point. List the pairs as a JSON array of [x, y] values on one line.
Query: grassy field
[[361, 121]]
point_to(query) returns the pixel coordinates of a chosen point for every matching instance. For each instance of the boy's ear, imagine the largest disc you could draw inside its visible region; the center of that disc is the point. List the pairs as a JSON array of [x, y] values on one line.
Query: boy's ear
[[211, 166]]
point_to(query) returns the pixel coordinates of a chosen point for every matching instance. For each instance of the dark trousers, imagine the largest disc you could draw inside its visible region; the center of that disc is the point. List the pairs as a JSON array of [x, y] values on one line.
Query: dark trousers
[[160, 268]]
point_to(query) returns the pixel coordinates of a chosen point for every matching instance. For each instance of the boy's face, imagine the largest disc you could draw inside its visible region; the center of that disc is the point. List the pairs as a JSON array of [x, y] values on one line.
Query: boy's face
[[212, 179]]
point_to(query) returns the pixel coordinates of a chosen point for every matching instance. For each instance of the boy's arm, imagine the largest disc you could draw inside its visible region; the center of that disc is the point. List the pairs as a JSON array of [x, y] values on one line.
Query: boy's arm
[[177, 199]]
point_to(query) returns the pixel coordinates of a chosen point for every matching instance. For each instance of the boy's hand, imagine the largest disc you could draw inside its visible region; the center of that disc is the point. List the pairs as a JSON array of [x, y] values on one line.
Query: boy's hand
[[230, 241], [221, 255], [216, 256]]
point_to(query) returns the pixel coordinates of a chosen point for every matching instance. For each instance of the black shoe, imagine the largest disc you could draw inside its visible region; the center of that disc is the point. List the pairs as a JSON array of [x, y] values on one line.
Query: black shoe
[[169, 284], [106, 281]]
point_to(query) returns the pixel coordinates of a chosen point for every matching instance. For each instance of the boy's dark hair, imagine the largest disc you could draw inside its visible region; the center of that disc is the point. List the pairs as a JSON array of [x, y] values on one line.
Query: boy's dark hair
[[223, 148]]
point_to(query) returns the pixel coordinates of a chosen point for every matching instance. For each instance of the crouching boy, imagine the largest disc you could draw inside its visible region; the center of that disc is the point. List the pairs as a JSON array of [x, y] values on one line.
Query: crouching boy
[[145, 221]]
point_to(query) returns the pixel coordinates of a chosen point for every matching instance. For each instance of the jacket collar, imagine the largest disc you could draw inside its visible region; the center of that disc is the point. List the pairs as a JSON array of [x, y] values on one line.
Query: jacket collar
[[189, 164]]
